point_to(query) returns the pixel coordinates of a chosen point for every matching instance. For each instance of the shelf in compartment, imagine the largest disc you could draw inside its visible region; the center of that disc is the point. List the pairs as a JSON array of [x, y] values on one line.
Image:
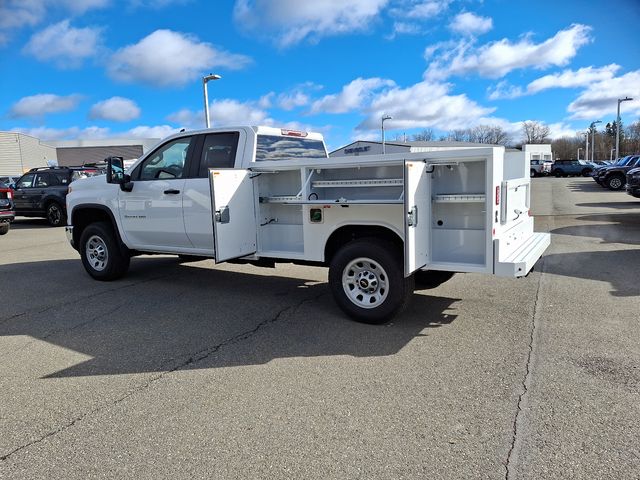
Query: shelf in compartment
[[330, 201], [280, 199], [459, 198], [373, 182]]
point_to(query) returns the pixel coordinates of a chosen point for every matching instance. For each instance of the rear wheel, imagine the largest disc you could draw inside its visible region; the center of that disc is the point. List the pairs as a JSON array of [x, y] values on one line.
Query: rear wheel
[[367, 280], [558, 173], [4, 228], [532, 173], [586, 172], [102, 256], [55, 214], [615, 182]]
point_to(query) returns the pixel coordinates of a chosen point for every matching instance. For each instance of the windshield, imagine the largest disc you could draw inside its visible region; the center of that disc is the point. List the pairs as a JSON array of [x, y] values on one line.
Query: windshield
[[273, 147]]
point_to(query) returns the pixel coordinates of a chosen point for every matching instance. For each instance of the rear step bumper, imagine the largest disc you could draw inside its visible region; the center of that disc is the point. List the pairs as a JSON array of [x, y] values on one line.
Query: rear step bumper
[[521, 260]]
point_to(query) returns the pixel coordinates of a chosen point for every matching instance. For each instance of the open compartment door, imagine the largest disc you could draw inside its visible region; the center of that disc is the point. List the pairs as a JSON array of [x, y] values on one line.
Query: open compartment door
[[417, 209], [234, 219]]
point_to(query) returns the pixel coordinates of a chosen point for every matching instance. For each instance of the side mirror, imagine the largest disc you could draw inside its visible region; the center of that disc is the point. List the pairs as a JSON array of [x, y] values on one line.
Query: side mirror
[[115, 174], [115, 170]]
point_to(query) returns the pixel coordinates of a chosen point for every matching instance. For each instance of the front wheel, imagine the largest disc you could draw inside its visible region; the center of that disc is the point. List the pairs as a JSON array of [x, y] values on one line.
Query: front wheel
[[367, 280], [615, 182], [558, 173], [532, 173], [101, 254], [587, 172], [4, 228]]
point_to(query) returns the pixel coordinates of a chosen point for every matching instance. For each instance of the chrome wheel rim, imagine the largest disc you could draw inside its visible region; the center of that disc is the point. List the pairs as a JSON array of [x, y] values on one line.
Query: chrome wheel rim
[[365, 283], [97, 253], [615, 183]]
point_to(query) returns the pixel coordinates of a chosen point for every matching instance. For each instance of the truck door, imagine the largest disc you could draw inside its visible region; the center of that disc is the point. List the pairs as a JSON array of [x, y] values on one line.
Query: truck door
[[234, 218], [417, 203]]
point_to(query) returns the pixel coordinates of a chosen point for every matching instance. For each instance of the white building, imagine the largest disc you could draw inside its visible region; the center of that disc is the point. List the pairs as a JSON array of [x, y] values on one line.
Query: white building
[[20, 152]]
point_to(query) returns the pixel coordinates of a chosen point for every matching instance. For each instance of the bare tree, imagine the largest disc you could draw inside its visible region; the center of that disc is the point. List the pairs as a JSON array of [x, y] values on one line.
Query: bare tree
[[491, 134], [535, 132], [425, 135]]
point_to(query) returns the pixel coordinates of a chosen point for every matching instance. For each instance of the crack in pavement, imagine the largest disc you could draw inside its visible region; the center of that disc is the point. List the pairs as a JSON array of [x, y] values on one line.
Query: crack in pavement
[[62, 330], [78, 299], [192, 359], [526, 380]]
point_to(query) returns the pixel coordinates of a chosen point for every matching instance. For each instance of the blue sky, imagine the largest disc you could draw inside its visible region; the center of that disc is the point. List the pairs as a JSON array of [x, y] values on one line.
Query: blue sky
[[126, 68]]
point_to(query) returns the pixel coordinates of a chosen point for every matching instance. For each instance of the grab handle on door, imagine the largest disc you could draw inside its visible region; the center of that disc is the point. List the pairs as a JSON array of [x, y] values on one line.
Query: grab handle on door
[[171, 191]]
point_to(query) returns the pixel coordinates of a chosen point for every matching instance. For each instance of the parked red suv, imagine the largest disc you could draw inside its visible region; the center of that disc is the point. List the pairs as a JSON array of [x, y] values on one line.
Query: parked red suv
[[7, 213]]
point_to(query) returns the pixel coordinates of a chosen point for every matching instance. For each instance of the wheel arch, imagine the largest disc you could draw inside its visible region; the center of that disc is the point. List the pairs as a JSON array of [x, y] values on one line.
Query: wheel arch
[[84, 215], [348, 233]]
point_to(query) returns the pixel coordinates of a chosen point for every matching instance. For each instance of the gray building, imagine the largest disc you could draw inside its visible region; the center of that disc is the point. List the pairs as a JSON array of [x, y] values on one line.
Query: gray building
[[80, 152]]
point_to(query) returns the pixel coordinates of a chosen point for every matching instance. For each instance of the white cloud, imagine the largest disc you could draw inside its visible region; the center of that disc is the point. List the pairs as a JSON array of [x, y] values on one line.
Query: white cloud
[[496, 59], [16, 14], [424, 105], [167, 58], [64, 45], [601, 98], [145, 131], [582, 77], [560, 130], [424, 10], [43, 104], [352, 96], [292, 21], [44, 133], [223, 112], [468, 23], [117, 109]]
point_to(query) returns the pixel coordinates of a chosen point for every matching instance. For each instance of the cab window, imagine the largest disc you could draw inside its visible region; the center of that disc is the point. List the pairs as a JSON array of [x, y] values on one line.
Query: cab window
[[218, 151], [167, 162]]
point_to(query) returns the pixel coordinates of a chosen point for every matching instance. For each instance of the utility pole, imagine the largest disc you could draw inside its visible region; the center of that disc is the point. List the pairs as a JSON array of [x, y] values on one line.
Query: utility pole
[[206, 79], [620, 100], [592, 127], [384, 117]]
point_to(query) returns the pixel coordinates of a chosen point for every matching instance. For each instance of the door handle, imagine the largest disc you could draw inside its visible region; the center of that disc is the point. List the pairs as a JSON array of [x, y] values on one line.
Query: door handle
[[171, 191]]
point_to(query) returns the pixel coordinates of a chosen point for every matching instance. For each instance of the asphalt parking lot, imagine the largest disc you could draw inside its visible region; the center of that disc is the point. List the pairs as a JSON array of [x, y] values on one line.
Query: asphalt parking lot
[[186, 370]]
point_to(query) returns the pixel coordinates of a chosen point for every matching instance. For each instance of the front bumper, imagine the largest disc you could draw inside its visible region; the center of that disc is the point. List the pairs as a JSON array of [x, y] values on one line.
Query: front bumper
[[68, 230], [633, 189]]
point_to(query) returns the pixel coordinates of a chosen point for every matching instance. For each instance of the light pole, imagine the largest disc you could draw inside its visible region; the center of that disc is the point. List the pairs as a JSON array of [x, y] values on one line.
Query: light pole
[[384, 117], [206, 79], [592, 127], [611, 154], [586, 145], [578, 155], [620, 100]]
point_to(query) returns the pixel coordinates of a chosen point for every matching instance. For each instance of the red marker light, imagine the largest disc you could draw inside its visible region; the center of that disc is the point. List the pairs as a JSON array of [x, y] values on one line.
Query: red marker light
[[293, 133]]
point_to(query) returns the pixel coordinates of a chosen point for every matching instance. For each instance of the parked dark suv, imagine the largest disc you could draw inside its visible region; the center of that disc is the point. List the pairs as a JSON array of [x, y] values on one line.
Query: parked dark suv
[[42, 192], [614, 176], [633, 182], [6, 209]]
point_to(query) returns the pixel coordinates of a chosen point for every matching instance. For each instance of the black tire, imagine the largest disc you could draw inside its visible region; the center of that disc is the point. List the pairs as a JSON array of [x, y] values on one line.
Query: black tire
[[586, 172], [4, 228], [102, 256], [366, 278], [558, 173], [55, 214], [533, 173], [426, 279], [615, 182]]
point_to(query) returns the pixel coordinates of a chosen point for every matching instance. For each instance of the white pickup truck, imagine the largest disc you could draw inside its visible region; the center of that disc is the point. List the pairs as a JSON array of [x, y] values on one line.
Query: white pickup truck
[[261, 195]]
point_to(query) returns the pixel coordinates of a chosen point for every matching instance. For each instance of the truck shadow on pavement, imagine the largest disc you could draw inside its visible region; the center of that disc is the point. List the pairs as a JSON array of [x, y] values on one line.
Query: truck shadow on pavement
[[618, 267], [166, 316], [24, 223], [625, 228]]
